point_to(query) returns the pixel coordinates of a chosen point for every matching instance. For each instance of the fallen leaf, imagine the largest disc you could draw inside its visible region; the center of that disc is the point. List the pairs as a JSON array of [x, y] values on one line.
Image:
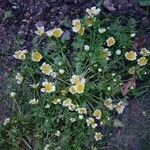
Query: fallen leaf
[[125, 87]]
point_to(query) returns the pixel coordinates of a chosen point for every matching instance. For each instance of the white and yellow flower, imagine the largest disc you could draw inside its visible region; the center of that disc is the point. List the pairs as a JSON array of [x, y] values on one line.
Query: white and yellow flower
[[106, 53], [75, 79], [110, 41], [56, 32], [72, 90], [89, 21], [82, 111], [36, 56], [40, 31], [93, 11], [57, 133], [131, 56], [19, 78], [34, 101], [6, 121], [119, 107], [72, 119], [108, 103], [86, 47], [21, 54], [97, 113], [48, 87], [79, 88], [101, 30], [13, 94], [46, 69], [131, 70], [145, 52], [72, 107], [67, 102], [76, 25], [56, 101], [34, 86], [98, 136], [91, 122], [142, 61], [61, 71]]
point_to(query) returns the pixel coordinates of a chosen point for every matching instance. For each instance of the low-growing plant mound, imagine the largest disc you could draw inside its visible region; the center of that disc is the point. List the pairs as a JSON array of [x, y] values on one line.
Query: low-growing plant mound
[[68, 92]]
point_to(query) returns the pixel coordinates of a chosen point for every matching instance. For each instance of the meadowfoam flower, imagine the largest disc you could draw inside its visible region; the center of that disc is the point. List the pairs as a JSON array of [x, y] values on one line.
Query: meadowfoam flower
[[89, 21], [47, 106], [72, 119], [82, 111], [34, 86], [97, 113], [132, 35], [46, 69], [99, 70], [93, 11], [76, 25], [109, 88], [131, 70], [93, 148], [21, 54], [79, 88], [6, 121], [61, 71], [119, 107], [48, 87], [75, 79], [102, 30], [71, 107], [67, 102], [57, 133], [81, 31], [86, 47], [81, 117], [118, 52], [53, 74], [40, 31], [98, 136], [108, 103], [57, 32], [49, 33], [145, 52], [34, 101], [46, 147], [131, 56], [110, 41], [63, 92], [19, 78], [106, 53], [91, 122], [36, 56], [72, 90], [56, 101], [12, 94], [142, 61]]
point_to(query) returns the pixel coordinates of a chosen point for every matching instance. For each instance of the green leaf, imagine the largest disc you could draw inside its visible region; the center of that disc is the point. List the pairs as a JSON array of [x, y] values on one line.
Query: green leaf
[[7, 15], [144, 2]]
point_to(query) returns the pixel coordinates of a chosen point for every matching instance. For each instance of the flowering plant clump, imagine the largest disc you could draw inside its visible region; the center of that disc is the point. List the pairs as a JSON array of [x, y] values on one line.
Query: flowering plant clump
[[68, 93]]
